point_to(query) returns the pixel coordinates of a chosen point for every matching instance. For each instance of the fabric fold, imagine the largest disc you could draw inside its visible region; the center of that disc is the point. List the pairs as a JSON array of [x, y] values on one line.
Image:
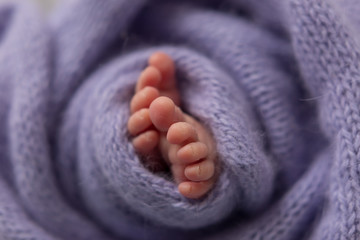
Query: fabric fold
[[276, 83]]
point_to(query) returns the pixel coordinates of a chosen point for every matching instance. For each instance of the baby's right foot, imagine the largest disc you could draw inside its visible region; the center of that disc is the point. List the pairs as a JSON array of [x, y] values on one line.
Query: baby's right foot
[[158, 123]]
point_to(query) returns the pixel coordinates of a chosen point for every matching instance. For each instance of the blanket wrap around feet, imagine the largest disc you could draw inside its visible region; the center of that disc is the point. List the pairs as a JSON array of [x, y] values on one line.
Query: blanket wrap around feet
[[277, 83]]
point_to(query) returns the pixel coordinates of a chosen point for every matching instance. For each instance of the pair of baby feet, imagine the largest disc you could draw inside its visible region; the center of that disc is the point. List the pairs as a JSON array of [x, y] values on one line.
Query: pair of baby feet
[[157, 124]]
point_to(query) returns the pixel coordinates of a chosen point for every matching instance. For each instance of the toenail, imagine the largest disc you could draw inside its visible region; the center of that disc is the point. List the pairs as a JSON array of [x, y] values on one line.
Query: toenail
[[141, 117], [192, 151], [143, 93], [199, 170], [187, 188]]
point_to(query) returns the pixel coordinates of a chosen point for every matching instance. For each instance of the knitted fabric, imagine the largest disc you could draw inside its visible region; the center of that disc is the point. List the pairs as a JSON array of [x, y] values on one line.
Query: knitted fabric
[[277, 83]]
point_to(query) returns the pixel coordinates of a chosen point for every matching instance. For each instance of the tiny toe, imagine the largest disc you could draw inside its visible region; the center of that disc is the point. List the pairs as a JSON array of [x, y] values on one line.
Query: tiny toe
[[181, 133], [146, 142], [143, 98], [166, 66], [192, 152], [201, 171], [151, 77], [195, 189], [163, 113], [139, 121], [178, 173]]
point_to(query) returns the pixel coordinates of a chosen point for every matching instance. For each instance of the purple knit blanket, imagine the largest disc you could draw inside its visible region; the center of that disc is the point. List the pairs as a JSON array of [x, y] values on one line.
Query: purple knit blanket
[[277, 83]]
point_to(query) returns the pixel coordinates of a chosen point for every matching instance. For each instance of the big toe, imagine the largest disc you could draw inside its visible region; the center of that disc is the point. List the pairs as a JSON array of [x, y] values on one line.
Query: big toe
[[163, 113]]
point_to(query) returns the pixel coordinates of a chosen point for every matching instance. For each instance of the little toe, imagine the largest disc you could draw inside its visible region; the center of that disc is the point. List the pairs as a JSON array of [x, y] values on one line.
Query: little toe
[[195, 190], [166, 66], [143, 98], [181, 133], [192, 152], [151, 76], [139, 121], [163, 113], [146, 142], [202, 171]]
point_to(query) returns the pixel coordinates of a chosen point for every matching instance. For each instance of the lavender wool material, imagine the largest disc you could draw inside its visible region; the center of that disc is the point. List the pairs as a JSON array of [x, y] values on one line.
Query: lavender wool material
[[276, 82]]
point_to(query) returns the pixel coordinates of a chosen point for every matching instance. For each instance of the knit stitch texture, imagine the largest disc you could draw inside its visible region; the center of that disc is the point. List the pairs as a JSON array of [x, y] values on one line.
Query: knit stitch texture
[[276, 82]]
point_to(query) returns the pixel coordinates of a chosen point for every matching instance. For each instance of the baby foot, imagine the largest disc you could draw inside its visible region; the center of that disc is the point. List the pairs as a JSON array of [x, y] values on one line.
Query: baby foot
[[158, 124]]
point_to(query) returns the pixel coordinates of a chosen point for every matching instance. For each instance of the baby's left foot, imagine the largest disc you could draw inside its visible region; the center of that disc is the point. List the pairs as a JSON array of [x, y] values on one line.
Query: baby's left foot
[[158, 123]]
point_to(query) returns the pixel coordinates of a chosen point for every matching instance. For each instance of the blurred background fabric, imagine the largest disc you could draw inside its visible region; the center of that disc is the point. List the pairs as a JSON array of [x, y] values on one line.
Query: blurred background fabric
[[47, 4], [276, 82]]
